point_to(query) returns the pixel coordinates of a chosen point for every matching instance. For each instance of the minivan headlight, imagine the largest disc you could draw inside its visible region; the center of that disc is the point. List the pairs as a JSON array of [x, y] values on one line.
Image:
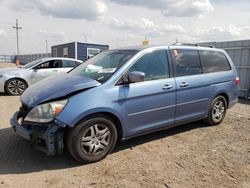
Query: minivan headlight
[[46, 112]]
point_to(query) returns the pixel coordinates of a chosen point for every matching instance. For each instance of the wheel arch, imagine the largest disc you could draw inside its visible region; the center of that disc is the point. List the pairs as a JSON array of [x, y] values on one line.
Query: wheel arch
[[109, 115], [225, 96]]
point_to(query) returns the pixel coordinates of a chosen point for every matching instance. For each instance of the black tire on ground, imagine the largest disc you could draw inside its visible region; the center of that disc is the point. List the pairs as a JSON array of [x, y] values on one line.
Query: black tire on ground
[[217, 111], [92, 139], [15, 86]]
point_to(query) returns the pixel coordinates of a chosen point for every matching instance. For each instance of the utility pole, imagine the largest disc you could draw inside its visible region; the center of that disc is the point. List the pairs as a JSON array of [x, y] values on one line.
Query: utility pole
[[17, 40], [46, 43]]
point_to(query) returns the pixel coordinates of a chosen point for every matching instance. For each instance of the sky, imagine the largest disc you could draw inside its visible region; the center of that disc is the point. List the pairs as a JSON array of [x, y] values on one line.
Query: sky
[[120, 23]]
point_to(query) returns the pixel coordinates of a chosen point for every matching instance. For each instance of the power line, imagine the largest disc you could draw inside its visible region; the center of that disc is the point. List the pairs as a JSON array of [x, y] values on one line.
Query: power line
[[17, 40]]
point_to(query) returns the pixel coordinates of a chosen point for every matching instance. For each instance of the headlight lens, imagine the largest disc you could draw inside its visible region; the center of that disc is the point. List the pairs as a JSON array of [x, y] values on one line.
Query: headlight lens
[[46, 112]]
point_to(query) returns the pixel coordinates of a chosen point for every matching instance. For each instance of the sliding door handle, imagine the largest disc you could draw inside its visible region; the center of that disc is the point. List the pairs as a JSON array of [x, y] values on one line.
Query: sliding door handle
[[167, 87], [184, 84]]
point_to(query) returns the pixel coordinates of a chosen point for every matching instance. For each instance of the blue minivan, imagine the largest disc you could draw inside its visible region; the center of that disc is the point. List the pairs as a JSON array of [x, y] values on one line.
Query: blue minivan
[[123, 93]]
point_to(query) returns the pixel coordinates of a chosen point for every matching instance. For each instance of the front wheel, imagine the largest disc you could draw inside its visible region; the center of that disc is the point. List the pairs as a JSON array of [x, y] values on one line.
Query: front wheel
[[15, 86], [92, 140], [217, 111]]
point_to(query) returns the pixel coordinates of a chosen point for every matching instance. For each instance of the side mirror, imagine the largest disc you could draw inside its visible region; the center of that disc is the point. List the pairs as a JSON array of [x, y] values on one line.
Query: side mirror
[[136, 76]]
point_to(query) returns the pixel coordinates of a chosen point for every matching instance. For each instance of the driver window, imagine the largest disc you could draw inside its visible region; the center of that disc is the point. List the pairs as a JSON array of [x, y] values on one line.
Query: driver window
[[50, 65], [153, 64]]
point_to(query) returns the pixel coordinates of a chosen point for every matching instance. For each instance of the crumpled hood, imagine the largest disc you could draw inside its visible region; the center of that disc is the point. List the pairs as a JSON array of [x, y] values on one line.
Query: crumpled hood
[[55, 87]]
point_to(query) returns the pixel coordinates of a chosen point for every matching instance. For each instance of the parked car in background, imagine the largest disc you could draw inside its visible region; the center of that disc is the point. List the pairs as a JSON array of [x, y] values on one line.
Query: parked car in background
[[15, 80], [123, 93]]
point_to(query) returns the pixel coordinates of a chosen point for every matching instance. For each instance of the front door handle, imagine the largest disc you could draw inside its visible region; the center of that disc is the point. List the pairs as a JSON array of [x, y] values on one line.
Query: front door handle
[[167, 87], [55, 70], [184, 84]]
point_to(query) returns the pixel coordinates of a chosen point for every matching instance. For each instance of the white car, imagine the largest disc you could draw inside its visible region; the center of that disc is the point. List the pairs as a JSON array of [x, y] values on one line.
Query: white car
[[15, 80]]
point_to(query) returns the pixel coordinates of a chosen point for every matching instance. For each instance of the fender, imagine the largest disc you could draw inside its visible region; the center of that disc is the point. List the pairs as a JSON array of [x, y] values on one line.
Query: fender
[[115, 113]]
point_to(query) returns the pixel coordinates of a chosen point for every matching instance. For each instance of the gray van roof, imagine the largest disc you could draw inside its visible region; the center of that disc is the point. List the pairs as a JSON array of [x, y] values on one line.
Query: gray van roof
[[173, 46]]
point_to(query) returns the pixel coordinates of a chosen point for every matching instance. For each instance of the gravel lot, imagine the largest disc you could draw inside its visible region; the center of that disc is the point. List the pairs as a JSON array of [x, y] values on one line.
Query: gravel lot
[[191, 155]]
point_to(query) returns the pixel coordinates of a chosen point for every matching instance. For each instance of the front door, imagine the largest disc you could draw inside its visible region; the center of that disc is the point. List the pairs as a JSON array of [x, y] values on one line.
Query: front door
[[45, 70], [150, 104]]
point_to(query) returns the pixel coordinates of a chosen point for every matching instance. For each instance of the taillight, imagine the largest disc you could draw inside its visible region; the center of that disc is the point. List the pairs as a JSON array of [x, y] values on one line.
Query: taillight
[[237, 81]]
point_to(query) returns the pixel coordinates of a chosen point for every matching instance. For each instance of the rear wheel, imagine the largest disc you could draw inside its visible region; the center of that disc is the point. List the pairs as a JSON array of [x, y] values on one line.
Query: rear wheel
[[217, 111], [92, 139], [15, 86]]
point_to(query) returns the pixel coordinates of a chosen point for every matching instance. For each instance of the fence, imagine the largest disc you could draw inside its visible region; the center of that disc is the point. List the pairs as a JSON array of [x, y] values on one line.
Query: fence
[[7, 58], [239, 51], [31, 57], [23, 58]]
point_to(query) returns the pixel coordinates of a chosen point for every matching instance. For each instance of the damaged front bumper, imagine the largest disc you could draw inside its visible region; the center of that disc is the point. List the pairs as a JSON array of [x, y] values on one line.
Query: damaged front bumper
[[48, 139]]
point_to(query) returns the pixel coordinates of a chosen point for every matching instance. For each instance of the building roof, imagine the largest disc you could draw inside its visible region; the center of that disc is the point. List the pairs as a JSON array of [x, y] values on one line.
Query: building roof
[[85, 43]]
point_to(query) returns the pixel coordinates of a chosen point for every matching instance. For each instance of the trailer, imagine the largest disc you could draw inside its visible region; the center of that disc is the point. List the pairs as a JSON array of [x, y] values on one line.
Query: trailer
[[78, 50]]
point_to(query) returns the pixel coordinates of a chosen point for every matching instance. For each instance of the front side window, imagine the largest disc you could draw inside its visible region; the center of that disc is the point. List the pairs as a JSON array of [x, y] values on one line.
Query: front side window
[[50, 64], [153, 64], [186, 62], [104, 65], [213, 61]]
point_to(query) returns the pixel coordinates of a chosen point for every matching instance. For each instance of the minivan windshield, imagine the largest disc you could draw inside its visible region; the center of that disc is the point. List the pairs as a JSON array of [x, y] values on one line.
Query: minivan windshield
[[31, 64], [103, 66]]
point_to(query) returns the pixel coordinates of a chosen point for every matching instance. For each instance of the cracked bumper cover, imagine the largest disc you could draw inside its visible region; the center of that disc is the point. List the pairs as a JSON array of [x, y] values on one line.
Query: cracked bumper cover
[[48, 139]]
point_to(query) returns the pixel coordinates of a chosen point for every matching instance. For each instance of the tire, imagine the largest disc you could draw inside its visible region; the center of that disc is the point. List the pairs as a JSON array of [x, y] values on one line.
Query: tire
[[15, 86], [92, 139], [217, 111]]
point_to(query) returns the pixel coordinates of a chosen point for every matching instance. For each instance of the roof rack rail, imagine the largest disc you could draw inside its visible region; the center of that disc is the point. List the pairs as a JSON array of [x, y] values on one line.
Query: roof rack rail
[[193, 44]]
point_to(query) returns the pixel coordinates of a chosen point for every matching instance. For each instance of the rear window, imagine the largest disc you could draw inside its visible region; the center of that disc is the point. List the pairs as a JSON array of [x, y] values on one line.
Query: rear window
[[213, 61], [186, 62], [68, 64]]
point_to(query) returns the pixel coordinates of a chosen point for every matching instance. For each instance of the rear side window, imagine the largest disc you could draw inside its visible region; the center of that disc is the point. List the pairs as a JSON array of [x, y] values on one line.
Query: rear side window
[[68, 64], [213, 61], [186, 62]]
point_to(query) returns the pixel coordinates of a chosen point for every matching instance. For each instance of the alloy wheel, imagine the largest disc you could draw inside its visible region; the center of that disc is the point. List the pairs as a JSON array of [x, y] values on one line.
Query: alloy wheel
[[218, 111], [16, 87], [95, 139]]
